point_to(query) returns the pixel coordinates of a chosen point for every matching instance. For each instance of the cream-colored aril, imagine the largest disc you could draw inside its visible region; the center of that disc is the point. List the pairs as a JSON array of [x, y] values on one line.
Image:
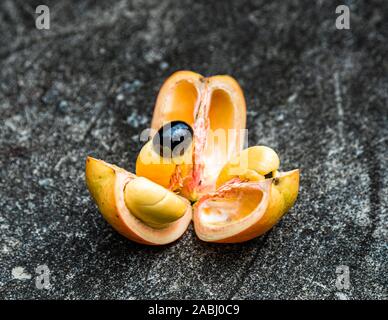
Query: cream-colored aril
[[251, 164], [151, 165], [153, 204]]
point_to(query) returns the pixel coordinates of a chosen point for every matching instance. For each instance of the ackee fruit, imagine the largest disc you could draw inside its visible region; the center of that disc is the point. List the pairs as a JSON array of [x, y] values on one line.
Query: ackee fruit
[[195, 154]]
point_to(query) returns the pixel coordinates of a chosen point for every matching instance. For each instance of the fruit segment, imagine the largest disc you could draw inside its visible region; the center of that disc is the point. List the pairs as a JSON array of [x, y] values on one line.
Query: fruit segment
[[240, 211], [214, 109], [118, 192]]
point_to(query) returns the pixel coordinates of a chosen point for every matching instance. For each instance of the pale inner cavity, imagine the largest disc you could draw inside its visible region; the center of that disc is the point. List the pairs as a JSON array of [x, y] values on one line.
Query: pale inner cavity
[[232, 207], [220, 143]]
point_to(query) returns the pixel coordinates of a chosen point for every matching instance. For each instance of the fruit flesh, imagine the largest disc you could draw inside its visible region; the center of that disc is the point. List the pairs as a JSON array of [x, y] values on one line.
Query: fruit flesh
[[251, 164], [167, 172], [153, 204]]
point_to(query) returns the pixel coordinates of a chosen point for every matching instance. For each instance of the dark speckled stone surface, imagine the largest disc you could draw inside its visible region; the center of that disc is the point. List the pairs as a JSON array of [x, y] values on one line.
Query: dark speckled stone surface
[[315, 94]]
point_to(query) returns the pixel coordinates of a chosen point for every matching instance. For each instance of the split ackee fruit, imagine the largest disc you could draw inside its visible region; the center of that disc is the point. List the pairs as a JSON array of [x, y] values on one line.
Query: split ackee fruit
[[238, 194]]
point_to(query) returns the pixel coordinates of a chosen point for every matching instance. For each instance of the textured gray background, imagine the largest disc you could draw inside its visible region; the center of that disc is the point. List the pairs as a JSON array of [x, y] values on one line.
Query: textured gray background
[[87, 87]]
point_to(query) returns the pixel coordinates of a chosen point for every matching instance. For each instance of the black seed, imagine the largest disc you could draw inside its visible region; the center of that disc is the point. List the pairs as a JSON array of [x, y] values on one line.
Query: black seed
[[268, 175], [173, 139]]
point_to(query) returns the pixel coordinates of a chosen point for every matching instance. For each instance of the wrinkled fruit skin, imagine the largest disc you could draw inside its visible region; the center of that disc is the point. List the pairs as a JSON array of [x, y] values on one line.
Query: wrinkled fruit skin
[[236, 200]]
